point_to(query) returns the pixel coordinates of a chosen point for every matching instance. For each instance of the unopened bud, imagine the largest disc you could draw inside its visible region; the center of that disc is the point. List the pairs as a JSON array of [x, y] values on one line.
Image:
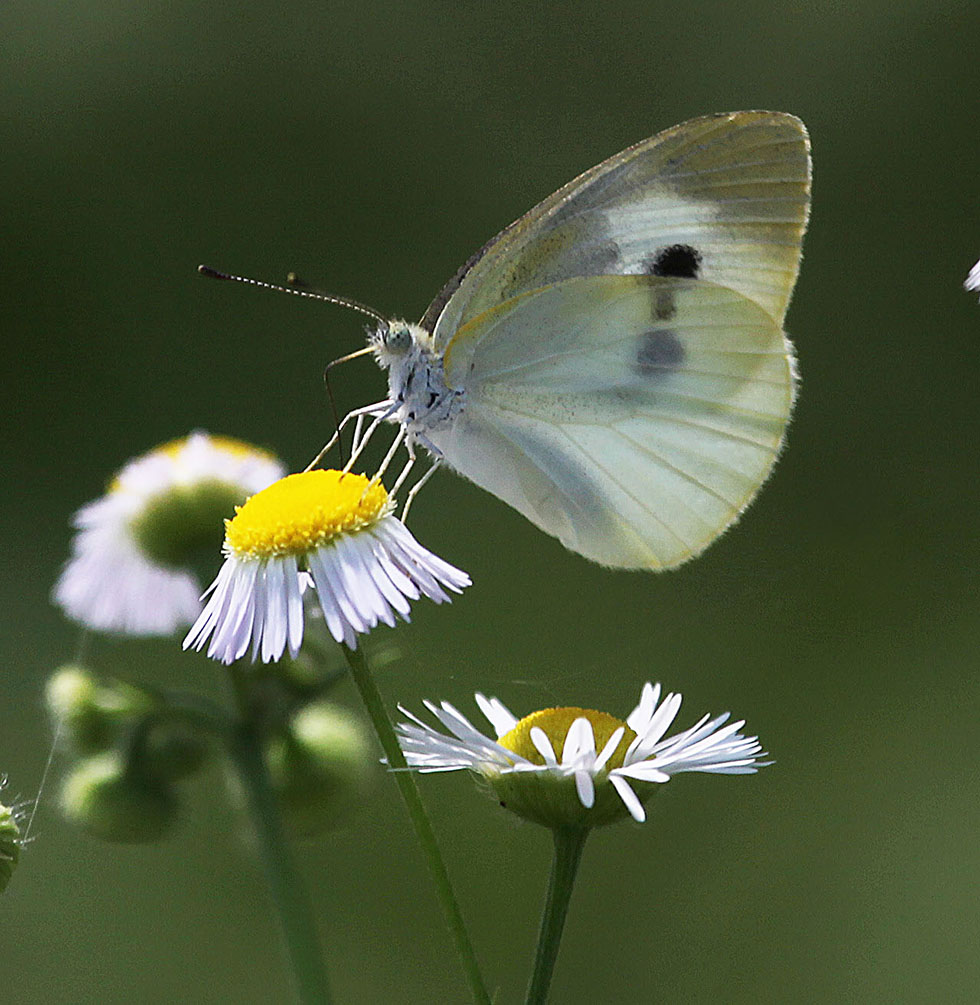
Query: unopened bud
[[90, 711], [321, 767], [9, 845], [114, 804]]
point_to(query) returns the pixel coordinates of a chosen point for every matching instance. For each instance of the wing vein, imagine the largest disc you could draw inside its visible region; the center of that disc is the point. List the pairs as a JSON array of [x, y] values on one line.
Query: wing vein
[[639, 502], [685, 474]]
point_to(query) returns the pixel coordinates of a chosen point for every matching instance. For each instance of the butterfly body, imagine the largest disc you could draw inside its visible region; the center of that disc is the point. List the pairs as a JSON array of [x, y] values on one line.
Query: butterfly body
[[420, 400], [613, 364]]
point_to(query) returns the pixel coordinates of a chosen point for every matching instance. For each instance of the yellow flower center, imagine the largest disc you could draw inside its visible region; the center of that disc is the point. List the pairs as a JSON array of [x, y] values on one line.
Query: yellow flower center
[[556, 722], [299, 513]]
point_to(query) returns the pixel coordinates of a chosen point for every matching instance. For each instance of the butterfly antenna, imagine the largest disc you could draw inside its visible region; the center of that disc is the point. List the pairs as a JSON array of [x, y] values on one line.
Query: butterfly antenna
[[299, 289]]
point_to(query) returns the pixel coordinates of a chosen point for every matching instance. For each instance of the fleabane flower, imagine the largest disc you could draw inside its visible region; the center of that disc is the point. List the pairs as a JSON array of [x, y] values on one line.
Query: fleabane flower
[[130, 567], [578, 767], [333, 530]]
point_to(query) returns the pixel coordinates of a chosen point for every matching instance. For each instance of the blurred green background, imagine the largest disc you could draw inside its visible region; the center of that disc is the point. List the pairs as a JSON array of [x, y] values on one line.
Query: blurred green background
[[372, 148]]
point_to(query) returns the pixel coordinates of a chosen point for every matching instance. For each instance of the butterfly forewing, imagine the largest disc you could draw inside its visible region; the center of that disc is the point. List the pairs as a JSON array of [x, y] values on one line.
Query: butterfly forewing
[[722, 198], [632, 417]]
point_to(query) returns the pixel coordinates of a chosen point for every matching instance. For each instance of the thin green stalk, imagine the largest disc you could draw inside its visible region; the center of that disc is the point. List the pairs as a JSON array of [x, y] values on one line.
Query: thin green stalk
[[420, 821], [569, 842], [296, 918]]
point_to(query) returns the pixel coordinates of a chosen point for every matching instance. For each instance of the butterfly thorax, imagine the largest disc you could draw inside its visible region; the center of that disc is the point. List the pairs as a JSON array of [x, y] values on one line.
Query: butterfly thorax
[[416, 380]]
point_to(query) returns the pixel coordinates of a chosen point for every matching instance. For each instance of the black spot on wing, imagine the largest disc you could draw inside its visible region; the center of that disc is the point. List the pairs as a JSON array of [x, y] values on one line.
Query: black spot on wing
[[658, 353], [679, 261]]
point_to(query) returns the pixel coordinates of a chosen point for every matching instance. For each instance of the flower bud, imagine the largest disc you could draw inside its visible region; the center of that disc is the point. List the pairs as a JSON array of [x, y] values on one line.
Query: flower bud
[[114, 804], [321, 767], [88, 710], [71, 695], [9, 845]]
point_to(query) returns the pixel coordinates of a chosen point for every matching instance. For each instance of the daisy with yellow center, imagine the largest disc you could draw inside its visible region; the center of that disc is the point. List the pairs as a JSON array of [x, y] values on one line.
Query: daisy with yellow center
[[131, 566], [573, 767], [329, 529]]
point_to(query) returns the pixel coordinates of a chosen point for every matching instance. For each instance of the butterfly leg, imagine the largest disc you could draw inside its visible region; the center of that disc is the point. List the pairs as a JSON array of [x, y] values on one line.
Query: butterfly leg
[[400, 480], [358, 430], [357, 414], [428, 444], [391, 408], [395, 444], [413, 491]]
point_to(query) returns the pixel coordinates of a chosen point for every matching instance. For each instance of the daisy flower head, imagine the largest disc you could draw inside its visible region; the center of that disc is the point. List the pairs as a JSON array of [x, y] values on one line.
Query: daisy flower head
[[130, 568], [331, 530], [575, 767]]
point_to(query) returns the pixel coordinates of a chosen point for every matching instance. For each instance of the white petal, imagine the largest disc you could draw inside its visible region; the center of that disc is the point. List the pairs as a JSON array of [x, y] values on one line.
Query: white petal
[[542, 744], [579, 742], [585, 788], [609, 749], [639, 718], [629, 798], [497, 714], [973, 279], [644, 771]]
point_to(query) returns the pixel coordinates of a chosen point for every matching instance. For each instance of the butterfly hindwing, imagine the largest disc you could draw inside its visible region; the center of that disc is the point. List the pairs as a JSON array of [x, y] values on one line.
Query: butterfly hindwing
[[633, 417], [722, 198]]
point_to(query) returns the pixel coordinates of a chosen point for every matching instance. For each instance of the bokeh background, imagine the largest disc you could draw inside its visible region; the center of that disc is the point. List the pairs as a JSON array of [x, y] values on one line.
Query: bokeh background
[[371, 148]]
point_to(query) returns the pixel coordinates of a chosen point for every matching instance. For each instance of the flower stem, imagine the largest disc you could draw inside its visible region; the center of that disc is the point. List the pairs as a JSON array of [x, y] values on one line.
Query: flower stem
[[296, 919], [569, 842], [420, 821]]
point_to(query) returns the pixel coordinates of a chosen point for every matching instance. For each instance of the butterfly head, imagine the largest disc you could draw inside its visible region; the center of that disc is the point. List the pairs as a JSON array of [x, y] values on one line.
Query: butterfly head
[[395, 341]]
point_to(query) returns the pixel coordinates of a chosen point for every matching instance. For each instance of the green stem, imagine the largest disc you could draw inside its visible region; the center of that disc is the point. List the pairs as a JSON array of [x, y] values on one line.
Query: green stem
[[569, 842], [295, 910], [420, 821]]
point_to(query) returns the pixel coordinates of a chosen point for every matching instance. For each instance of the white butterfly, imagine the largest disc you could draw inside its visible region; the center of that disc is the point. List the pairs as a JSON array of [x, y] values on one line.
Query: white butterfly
[[613, 364]]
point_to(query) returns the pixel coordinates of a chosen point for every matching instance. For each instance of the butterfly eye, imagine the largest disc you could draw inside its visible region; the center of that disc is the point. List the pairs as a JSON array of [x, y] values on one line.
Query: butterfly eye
[[398, 339]]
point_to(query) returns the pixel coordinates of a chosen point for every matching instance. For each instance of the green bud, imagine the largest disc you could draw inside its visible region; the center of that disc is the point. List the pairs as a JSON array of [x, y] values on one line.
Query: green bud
[[9, 845], [321, 767], [177, 526], [89, 711], [114, 804], [72, 695]]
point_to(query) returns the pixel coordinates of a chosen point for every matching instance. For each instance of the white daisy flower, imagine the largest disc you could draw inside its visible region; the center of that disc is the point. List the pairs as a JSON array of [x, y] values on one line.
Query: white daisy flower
[[972, 281], [574, 766], [331, 530], [129, 569]]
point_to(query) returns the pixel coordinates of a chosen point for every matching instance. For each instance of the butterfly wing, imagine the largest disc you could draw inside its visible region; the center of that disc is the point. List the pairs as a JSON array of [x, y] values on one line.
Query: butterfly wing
[[723, 198], [632, 417]]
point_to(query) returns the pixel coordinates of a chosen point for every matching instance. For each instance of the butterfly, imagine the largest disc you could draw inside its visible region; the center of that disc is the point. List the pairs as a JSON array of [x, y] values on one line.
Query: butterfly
[[613, 364]]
